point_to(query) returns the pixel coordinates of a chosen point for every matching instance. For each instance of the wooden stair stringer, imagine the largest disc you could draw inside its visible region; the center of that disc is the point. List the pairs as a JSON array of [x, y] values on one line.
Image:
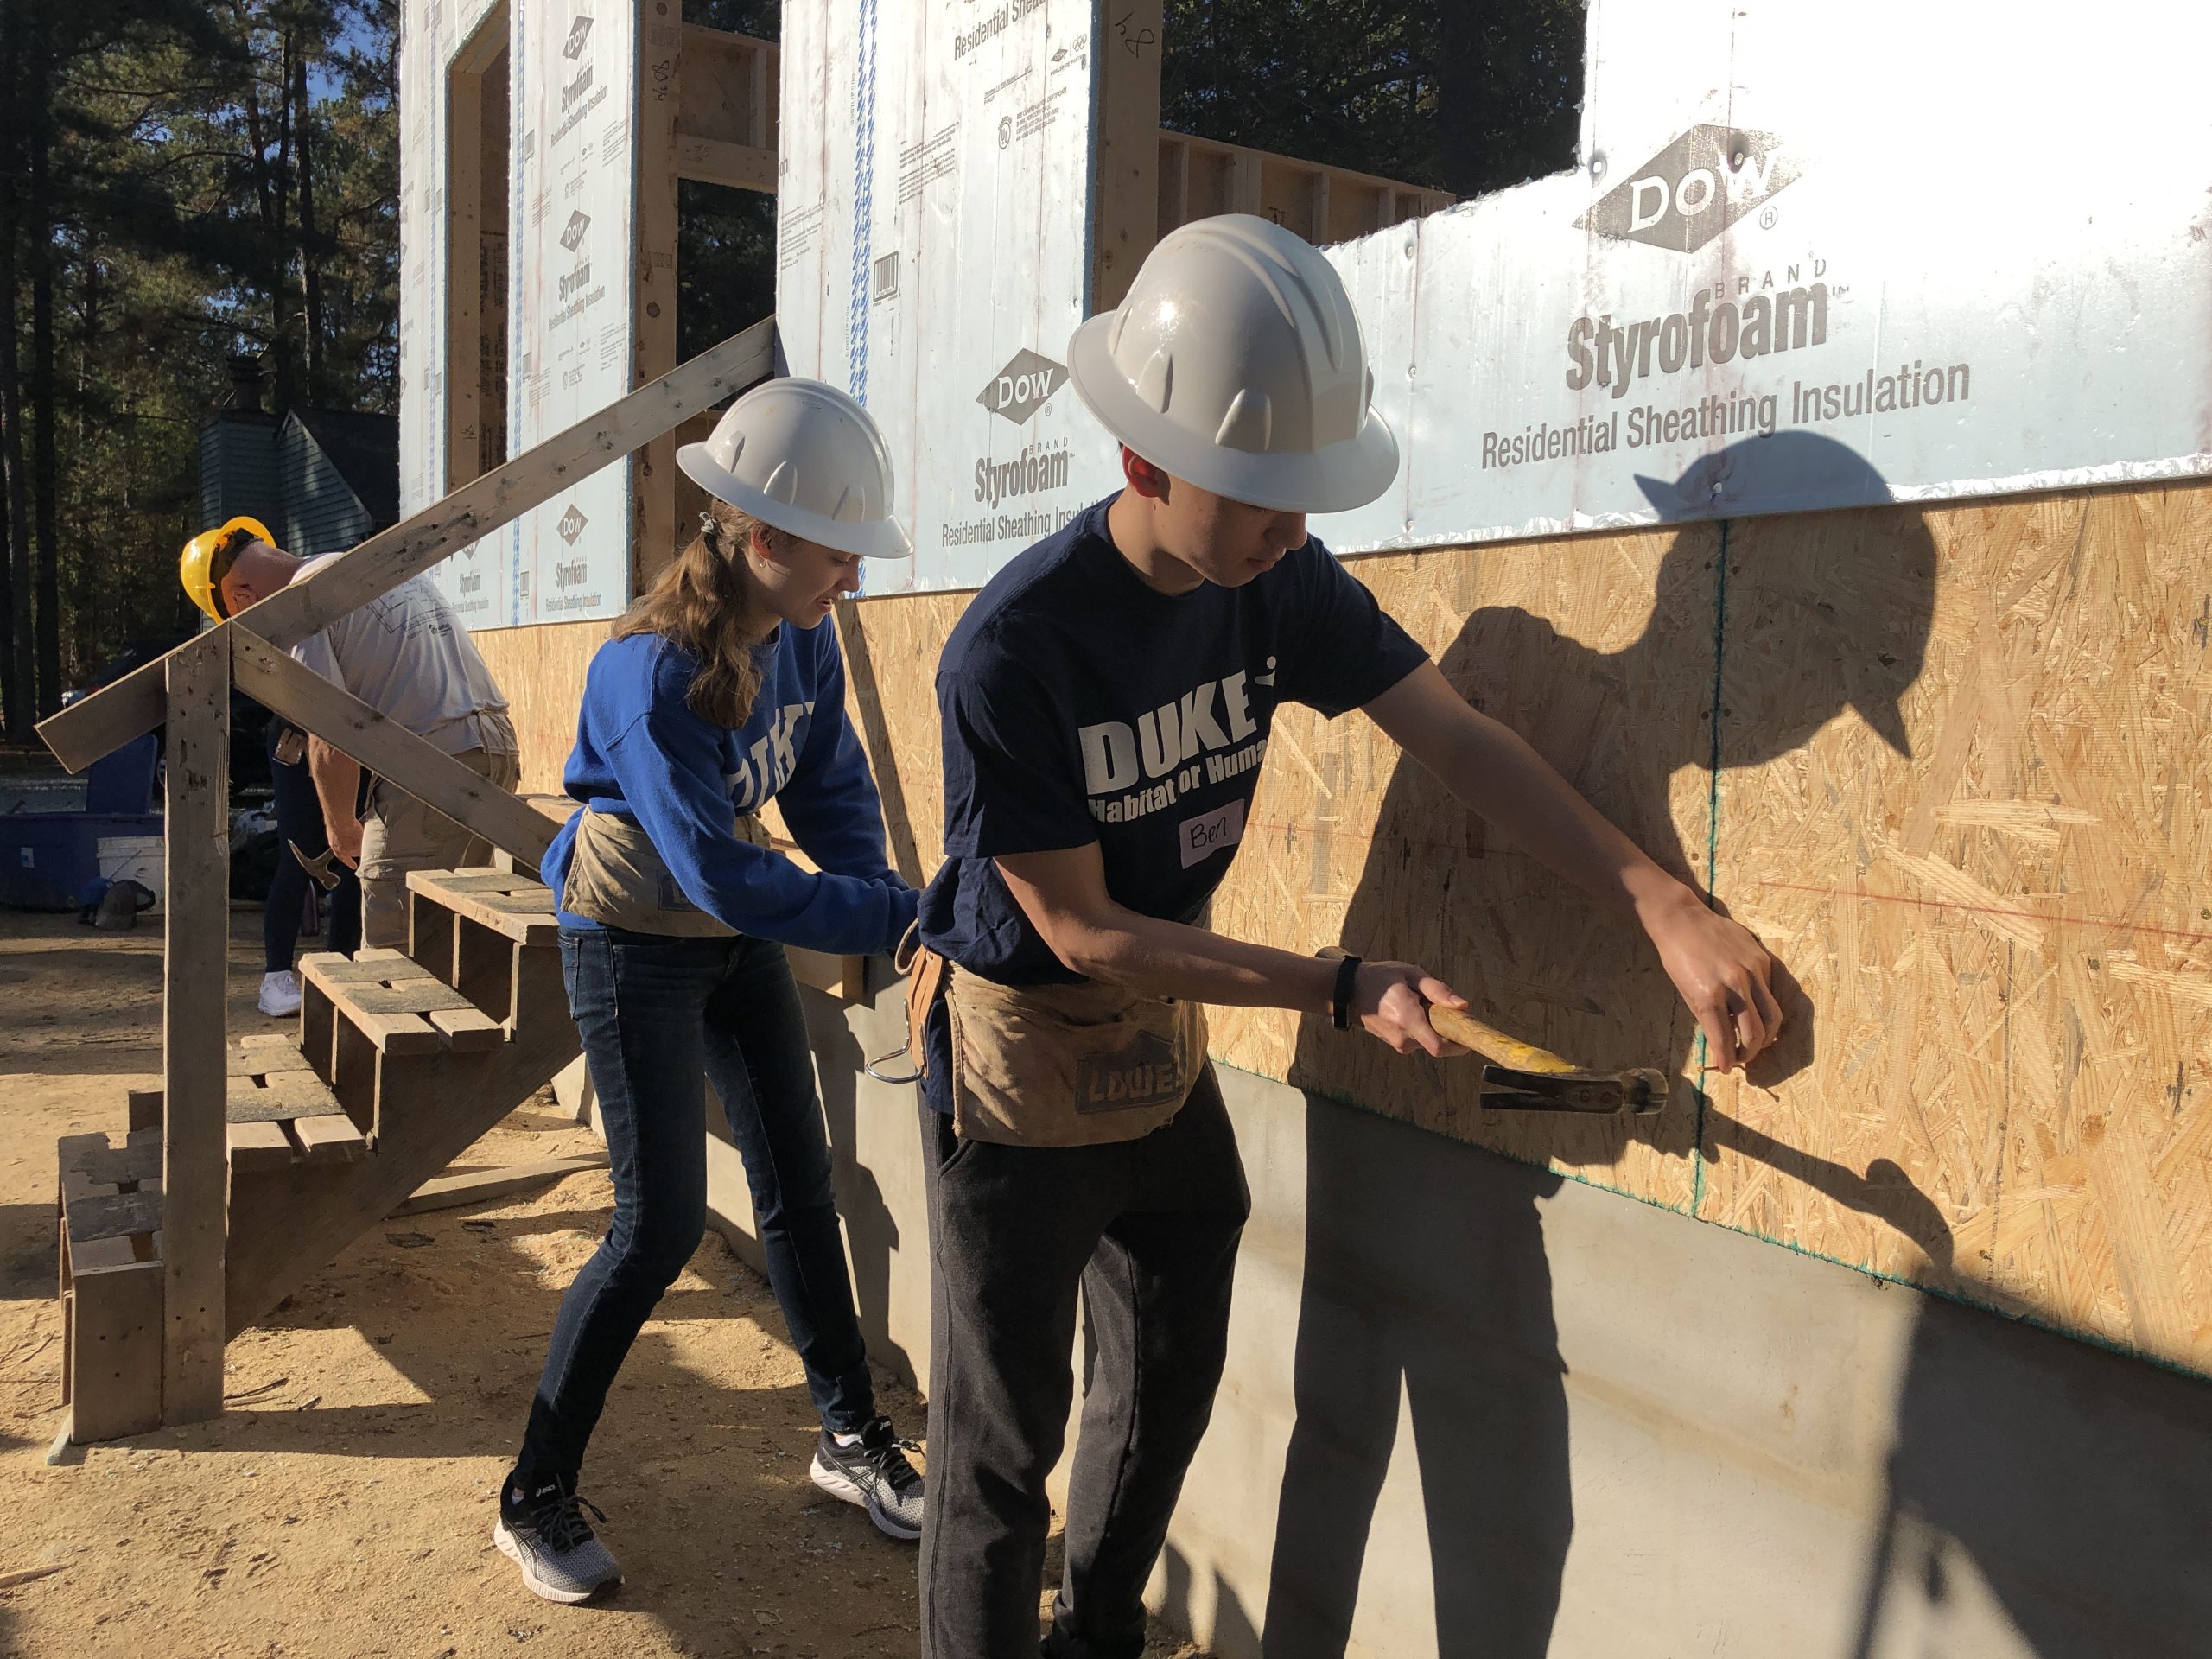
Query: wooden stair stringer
[[287, 1224]]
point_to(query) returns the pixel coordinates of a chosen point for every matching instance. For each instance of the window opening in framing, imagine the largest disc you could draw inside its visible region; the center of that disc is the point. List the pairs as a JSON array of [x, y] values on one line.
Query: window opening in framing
[[477, 278]]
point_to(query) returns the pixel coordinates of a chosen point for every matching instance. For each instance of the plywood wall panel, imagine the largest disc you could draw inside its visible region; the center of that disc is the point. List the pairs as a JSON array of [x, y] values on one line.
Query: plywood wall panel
[[1560, 640], [1963, 790], [891, 648], [541, 670], [2004, 934]]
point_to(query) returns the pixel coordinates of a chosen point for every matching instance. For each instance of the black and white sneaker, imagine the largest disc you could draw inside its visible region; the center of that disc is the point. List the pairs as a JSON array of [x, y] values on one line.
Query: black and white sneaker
[[545, 1534], [874, 1474]]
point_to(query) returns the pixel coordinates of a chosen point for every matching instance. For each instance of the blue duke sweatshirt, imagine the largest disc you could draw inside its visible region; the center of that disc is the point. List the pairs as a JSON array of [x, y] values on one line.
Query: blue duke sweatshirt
[[642, 754]]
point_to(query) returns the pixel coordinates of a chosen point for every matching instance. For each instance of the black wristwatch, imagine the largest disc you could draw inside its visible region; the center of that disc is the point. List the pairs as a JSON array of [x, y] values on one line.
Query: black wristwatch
[[1341, 999]]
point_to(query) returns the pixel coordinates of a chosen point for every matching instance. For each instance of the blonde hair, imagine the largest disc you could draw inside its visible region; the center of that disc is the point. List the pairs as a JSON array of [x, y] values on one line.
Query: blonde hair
[[700, 602]]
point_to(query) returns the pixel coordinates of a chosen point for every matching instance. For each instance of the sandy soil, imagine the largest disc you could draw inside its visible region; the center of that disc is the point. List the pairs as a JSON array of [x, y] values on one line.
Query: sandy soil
[[342, 1506]]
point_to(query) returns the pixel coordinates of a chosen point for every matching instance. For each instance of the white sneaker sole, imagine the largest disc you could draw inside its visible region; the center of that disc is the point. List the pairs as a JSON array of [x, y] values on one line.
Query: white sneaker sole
[[536, 1586], [839, 1484], [284, 1011]]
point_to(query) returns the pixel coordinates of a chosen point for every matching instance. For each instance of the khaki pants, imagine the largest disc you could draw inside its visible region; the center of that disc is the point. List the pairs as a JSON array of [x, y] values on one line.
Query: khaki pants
[[400, 834]]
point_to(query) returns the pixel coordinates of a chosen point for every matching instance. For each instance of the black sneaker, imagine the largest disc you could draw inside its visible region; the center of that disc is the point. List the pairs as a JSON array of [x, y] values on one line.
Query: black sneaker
[[875, 1475], [546, 1535]]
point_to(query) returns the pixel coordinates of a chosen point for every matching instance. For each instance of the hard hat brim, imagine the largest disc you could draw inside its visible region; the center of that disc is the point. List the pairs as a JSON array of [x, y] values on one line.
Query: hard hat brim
[[1334, 479], [880, 538], [195, 564]]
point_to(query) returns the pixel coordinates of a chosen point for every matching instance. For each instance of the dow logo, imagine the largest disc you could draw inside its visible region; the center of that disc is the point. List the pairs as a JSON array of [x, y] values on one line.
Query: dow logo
[[571, 525], [572, 233], [1694, 189], [579, 32], [1023, 387]]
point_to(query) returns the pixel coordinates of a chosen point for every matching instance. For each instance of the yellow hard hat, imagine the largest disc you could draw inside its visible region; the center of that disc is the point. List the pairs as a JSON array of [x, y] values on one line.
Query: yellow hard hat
[[207, 560]]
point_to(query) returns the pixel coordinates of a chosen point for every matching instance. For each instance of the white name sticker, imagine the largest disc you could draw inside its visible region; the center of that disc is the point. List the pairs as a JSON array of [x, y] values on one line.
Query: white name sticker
[[1203, 837]]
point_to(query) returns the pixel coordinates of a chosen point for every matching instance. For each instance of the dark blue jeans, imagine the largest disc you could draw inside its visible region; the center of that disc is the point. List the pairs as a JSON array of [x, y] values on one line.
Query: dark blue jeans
[[657, 1011], [299, 818]]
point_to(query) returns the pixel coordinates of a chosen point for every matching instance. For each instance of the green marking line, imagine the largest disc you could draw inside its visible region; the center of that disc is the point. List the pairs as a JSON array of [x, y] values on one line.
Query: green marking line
[[1712, 841]]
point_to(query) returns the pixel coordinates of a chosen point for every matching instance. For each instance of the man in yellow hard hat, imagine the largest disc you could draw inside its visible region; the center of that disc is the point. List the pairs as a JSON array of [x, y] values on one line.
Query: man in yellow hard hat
[[404, 654]]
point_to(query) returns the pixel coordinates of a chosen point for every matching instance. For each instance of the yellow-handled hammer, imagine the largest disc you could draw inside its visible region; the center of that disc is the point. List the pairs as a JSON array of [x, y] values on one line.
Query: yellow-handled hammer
[[1522, 1077], [1527, 1078]]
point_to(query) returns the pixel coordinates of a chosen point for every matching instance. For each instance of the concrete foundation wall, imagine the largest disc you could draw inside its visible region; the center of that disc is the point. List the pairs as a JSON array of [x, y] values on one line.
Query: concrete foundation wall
[[1473, 1409]]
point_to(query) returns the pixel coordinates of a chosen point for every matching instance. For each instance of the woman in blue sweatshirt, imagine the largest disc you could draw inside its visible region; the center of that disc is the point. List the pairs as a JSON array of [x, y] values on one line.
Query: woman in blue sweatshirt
[[720, 691]]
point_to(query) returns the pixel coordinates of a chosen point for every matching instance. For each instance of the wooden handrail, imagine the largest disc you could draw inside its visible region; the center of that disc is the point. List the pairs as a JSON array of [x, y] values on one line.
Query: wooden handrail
[[134, 705], [296, 692]]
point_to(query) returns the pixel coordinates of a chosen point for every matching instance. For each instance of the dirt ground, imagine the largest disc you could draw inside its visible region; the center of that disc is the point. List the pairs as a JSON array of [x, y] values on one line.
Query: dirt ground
[[342, 1506]]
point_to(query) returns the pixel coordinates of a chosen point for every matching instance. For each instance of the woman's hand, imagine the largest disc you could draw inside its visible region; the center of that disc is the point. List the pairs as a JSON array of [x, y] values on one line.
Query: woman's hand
[[1391, 1000], [1724, 974]]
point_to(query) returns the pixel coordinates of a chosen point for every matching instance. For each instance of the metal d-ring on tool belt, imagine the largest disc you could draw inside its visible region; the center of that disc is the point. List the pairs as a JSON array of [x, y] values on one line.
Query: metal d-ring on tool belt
[[1052, 1065]]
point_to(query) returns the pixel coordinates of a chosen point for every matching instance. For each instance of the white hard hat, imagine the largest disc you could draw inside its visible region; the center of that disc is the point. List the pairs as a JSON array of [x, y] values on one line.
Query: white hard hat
[[807, 459], [1236, 362]]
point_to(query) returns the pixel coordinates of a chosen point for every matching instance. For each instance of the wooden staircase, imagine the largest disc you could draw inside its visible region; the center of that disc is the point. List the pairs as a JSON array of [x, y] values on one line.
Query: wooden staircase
[[401, 1061]]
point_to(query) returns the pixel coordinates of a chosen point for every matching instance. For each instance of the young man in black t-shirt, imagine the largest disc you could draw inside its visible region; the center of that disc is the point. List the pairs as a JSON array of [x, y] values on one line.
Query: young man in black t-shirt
[[1106, 706]]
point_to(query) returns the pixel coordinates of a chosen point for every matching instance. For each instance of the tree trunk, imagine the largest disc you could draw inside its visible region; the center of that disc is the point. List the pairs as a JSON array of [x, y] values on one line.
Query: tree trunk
[[310, 255], [96, 610], [284, 310], [46, 475], [1464, 89], [18, 682], [1509, 82]]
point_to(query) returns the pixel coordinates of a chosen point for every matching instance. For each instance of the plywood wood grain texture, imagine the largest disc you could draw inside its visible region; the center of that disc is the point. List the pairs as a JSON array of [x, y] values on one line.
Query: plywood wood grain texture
[[2006, 936], [541, 670], [1953, 765]]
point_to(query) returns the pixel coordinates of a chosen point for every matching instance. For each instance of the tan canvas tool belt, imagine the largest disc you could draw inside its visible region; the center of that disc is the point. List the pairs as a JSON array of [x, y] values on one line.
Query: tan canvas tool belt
[[1057, 1065], [617, 878]]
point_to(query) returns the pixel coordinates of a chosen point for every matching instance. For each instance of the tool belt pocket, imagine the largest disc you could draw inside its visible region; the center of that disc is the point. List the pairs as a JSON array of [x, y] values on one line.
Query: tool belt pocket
[[1067, 1065], [618, 878]]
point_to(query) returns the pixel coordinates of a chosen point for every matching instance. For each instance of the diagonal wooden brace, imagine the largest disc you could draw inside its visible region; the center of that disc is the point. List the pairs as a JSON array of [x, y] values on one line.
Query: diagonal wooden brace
[[289, 688], [135, 704]]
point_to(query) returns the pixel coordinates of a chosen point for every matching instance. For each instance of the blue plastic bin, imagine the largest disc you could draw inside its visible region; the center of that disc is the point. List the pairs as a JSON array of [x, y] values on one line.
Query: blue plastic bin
[[46, 858]]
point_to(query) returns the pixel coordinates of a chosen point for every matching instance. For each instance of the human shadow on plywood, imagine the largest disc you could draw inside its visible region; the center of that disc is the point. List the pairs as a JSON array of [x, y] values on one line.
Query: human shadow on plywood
[[1426, 1266]]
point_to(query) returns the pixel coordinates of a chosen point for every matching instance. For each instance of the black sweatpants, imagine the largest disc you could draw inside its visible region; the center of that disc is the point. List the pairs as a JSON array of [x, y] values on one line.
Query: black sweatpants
[[1148, 1229]]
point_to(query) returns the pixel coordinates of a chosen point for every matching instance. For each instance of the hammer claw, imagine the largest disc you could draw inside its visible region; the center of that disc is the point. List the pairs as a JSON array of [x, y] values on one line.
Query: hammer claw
[[1601, 1093], [318, 866]]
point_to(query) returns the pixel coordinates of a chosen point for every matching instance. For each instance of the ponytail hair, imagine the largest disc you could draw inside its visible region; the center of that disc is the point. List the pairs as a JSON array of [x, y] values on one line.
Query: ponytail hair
[[700, 603]]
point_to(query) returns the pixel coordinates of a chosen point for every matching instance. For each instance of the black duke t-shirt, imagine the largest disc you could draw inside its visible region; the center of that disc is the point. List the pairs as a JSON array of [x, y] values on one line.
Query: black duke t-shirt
[[1079, 705]]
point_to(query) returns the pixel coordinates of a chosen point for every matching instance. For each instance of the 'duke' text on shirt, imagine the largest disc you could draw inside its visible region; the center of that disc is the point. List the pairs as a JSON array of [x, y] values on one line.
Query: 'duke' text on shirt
[[772, 761], [1203, 736]]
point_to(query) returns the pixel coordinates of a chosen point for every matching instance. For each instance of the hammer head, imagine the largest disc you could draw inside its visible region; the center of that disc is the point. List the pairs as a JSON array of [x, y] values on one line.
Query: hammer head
[[1639, 1092], [318, 866]]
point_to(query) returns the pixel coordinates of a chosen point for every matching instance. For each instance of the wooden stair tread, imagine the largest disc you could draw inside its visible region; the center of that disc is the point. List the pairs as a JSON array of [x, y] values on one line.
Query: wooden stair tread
[[91, 1156], [386, 994], [466, 1028], [477, 881], [424, 996], [259, 1145], [265, 1050], [284, 1094], [265, 1143], [341, 970], [327, 1139], [271, 1081], [513, 906], [97, 1215]]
